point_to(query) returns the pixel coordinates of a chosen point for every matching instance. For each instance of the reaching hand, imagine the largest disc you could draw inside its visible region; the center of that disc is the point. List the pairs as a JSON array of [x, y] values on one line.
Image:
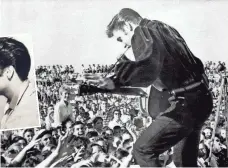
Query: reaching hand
[[33, 143], [99, 81], [78, 155], [64, 148]]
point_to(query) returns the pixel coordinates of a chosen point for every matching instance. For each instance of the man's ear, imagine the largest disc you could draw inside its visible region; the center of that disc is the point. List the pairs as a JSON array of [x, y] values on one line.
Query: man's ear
[[9, 72]]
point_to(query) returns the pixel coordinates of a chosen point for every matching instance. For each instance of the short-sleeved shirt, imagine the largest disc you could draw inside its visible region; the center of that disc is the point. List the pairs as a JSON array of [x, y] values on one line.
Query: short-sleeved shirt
[[23, 110]]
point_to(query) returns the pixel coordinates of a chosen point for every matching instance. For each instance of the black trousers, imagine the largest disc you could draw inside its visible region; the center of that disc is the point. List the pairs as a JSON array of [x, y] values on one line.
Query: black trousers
[[178, 126]]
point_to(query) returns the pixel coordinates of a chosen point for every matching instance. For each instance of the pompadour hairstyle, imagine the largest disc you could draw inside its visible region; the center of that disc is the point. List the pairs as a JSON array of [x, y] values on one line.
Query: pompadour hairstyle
[[14, 53], [118, 21]]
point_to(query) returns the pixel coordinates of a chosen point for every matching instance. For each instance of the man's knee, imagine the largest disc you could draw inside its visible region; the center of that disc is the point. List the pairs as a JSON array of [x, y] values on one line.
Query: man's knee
[[144, 157]]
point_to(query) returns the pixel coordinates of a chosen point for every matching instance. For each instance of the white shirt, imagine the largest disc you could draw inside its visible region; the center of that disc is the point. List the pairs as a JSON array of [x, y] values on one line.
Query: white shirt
[[23, 110], [62, 112]]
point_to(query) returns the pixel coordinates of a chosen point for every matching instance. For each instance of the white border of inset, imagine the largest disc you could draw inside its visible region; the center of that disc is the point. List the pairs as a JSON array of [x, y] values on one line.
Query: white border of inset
[[27, 40]]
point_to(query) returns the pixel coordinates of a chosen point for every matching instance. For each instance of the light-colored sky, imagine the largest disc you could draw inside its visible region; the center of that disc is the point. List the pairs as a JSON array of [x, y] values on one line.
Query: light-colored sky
[[73, 32]]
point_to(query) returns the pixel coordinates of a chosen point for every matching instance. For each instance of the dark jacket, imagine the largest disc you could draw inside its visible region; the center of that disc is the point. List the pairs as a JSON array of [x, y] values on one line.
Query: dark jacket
[[162, 55]]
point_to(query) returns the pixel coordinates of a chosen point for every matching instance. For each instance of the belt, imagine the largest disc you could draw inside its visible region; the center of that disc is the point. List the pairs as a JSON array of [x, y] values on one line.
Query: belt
[[188, 88]]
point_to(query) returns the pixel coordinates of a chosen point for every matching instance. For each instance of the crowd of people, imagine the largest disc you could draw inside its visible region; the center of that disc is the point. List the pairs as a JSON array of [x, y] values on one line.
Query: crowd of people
[[102, 128], [50, 74], [97, 68]]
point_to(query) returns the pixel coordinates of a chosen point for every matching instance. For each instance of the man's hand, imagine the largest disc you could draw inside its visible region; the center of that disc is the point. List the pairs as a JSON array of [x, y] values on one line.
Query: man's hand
[[99, 81]]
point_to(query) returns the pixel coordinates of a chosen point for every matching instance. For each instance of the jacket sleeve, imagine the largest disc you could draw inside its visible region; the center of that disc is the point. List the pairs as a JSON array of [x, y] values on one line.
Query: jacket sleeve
[[144, 72]]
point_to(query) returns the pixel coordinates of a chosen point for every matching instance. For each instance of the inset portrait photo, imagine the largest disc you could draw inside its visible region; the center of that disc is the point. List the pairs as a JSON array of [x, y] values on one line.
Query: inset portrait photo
[[18, 97]]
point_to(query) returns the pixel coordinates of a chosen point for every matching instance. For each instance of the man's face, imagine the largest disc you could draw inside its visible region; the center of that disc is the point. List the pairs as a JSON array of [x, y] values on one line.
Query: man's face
[[123, 36], [212, 124], [217, 145], [98, 124], [50, 109], [202, 151], [207, 133], [69, 125], [65, 96], [79, 130], [28, 136], [109, 135], [103, 105], [22, 143], [117, 115], [117, 132], [55, 135], [46, 139]]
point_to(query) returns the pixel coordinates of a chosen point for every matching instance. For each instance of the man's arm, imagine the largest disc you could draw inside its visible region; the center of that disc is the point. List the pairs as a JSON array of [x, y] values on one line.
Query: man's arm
[[144, 72]]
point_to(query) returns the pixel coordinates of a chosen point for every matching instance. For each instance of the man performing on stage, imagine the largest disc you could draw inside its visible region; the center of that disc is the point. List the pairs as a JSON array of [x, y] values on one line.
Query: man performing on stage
[[164, 61]]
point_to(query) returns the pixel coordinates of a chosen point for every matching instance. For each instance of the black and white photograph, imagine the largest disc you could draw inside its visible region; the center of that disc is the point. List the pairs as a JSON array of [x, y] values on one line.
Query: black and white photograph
[[18, 98], [122, 83]]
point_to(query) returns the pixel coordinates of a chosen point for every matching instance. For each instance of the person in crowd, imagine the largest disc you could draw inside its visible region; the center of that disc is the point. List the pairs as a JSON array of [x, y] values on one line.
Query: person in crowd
[[28, 134], [79, 129], [116, 121], [98, 124], [63, 109]]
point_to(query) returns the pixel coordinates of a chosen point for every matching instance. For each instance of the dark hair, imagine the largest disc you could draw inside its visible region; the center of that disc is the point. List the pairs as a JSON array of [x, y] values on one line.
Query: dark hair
[[78, 123], [18, 138], [116, 128], [96, 119], [14, 53], [28, 130], [118, 21], [92, 134]]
